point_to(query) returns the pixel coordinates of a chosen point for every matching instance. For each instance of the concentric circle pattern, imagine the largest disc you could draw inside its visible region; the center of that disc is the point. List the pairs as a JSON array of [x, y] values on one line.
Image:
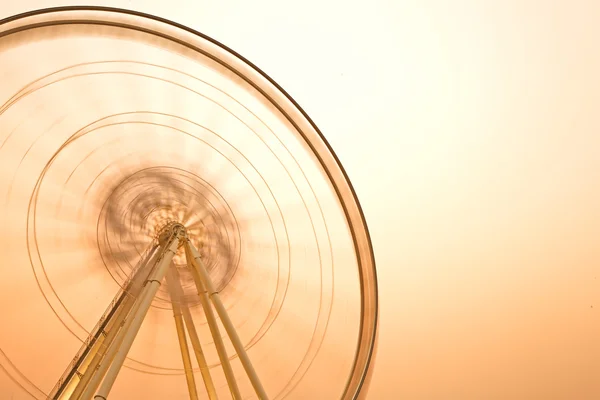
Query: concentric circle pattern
[[113, 125]]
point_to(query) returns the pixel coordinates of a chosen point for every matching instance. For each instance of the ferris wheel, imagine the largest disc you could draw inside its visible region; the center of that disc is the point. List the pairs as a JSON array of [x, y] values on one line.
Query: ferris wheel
[[174, 224]]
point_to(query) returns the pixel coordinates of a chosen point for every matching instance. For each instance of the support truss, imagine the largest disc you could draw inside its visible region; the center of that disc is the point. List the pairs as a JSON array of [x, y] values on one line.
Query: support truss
[[96, 366]]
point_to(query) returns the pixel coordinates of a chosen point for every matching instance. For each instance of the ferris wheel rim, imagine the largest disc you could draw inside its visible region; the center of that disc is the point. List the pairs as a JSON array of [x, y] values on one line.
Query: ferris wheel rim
[[355, 384]]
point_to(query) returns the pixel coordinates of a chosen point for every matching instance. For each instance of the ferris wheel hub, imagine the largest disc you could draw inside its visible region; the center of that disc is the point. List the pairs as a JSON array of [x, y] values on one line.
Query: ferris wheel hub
[[169, 230]]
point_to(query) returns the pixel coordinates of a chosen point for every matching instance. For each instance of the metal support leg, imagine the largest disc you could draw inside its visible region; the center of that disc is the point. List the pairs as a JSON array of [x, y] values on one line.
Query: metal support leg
[[106, 355], [233, 336], [148, 294], [114, 322], [102, 359], [202, 273], [193, 334], [183, 346], [214, 329]]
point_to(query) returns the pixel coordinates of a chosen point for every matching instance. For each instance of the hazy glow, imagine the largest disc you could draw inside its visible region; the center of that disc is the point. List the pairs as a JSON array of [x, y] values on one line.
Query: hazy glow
[[470, 132]]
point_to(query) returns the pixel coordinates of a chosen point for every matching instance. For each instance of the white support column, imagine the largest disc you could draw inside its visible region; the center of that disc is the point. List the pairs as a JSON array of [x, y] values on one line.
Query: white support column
[[134, 322], [214, 329], [206, 282], [90, 378], [111, 354], [172, 284], [191, 328]]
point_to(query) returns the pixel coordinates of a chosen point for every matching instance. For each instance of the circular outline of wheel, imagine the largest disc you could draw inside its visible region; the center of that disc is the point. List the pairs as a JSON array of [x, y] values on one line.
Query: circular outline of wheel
[[358, 381]]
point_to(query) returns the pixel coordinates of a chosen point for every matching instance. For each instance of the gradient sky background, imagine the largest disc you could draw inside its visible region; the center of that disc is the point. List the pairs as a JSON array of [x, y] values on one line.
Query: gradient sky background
[[470, 130]]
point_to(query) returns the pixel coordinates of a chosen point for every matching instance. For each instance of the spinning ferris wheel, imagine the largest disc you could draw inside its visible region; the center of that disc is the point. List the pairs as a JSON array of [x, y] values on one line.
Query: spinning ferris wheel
[[174, 225]]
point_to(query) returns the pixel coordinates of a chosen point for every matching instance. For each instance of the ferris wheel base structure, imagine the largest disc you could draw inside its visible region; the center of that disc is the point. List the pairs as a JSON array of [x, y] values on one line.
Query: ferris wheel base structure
[[95, 368]]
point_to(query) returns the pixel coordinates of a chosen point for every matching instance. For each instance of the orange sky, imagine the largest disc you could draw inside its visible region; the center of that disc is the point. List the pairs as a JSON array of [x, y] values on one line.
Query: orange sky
[[470, 132]]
